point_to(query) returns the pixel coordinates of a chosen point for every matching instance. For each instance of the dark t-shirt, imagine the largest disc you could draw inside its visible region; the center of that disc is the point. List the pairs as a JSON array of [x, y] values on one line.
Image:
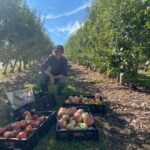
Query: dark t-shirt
[[57, 66]]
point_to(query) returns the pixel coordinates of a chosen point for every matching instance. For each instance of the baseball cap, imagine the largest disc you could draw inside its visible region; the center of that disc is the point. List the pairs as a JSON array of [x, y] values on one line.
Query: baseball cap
[[59, 47]]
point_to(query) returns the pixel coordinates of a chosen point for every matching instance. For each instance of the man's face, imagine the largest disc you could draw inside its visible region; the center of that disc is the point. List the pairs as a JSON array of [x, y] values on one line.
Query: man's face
[[58, 53]]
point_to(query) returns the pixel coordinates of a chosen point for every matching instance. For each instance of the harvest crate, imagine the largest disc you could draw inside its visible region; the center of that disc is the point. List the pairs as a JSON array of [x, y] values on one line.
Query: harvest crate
[[33, 139], [87, 134], [94, 108]]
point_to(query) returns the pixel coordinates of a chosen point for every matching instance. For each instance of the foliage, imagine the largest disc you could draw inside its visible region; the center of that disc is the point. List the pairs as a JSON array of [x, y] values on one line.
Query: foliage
[[22, 36], [114, 39]]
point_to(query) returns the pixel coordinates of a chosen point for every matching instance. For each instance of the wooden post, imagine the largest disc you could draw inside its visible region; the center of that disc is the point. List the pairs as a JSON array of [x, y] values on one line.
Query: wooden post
[[121, 78]]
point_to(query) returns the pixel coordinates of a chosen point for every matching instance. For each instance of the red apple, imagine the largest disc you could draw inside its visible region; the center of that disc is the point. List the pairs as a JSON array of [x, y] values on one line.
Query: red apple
[[89, 121], [37, 123], [22, 135], [29, 129], [2, 130], [77, 117], [14, 126], [72, 110], [62, 123], [63, 111], [35, 117]]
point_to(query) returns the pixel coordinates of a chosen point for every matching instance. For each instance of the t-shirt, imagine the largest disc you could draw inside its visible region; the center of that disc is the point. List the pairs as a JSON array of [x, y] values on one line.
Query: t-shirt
[[57, 66]]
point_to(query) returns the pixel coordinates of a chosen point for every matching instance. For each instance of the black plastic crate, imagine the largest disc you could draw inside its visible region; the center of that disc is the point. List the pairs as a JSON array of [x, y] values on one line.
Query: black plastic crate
[[94, 108], [77, 135], [33, 139]]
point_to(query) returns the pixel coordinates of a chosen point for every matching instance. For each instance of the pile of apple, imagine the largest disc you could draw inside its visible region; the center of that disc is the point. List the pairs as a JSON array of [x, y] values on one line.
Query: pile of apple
[[84, 100], [74, 119], [24, 128]]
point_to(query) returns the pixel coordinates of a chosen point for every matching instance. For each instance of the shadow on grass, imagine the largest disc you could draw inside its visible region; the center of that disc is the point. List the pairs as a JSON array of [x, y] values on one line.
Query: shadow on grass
[[144, 80]]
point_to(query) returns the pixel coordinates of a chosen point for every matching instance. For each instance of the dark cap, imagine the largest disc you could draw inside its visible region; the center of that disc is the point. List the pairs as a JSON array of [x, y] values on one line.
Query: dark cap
[[59, 47]]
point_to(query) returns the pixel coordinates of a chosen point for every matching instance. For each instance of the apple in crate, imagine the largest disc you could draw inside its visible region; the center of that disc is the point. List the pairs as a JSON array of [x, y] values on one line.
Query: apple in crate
[[2, 130], [77, 117], [8, 134], [89, 121], [66, 117], [22, 135], [83, 126], [62, 123]]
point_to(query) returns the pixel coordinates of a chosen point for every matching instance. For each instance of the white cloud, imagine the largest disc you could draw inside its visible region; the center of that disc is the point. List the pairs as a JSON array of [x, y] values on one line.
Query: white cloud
[[69, 29], [53, 16]]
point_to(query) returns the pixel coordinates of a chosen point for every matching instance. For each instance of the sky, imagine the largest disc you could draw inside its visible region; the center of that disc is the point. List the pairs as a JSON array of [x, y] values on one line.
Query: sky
[[62, 17]]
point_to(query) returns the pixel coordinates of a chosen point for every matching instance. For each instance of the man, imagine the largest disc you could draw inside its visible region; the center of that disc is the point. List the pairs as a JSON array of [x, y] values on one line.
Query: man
[[54, 70]]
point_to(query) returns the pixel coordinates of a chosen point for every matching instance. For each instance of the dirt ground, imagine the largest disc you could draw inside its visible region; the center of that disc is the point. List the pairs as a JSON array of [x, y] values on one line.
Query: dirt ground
[[127, 122], [125, 126]]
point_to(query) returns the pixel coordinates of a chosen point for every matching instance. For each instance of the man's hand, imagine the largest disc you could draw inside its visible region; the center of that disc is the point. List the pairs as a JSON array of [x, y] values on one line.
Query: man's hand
[[51, 81], [47, 73]]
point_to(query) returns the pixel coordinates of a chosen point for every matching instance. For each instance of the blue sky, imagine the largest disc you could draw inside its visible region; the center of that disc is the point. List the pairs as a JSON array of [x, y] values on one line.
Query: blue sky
[[62, 17]]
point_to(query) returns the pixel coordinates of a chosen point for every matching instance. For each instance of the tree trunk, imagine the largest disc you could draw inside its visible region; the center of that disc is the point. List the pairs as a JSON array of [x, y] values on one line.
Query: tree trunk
[[20, 65], [13, 68], [5, 70], [24, 65]]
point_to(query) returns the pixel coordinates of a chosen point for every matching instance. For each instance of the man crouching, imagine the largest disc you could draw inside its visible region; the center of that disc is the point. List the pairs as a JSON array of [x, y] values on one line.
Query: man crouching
[[54, 70]]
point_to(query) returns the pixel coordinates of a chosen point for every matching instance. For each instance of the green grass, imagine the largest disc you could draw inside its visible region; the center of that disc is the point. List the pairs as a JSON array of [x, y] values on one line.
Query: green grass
[[144, 79]]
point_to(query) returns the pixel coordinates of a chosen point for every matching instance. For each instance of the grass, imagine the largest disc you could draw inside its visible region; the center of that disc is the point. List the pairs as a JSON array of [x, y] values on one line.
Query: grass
[[144, 79]]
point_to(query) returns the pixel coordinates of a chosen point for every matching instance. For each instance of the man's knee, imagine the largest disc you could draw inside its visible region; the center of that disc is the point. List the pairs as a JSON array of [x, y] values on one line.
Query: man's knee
[[43, 78], [62, 82]]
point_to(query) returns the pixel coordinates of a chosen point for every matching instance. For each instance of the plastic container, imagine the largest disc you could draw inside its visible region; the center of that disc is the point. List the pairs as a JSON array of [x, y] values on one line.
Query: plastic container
[[94, 108], [78, 135], [33, 139]]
